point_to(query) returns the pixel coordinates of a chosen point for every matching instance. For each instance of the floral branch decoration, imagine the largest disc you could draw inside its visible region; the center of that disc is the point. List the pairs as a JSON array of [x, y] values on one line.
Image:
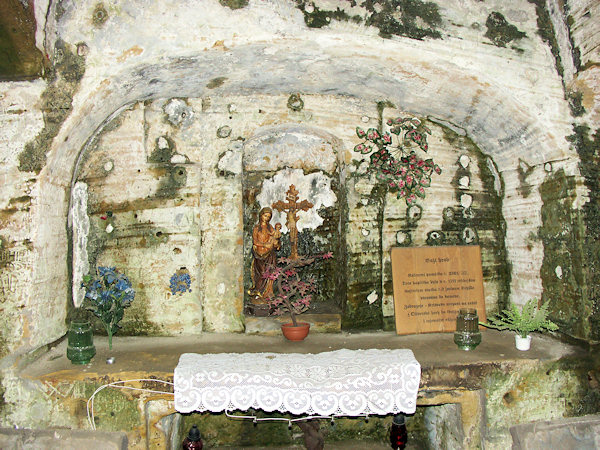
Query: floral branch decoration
[[107, 296], [293, 294], [399, 166]]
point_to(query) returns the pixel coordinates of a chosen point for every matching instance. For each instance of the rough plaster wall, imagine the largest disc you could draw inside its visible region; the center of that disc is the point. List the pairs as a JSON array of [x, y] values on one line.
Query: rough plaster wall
[[460, 206], [585, 28], [509, 100], [585, 31], [157, 225], [144, 220], [21, 120]]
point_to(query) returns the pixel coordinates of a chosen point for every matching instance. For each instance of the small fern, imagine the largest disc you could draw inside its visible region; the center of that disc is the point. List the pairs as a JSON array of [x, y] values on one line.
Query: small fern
[[529, 318]]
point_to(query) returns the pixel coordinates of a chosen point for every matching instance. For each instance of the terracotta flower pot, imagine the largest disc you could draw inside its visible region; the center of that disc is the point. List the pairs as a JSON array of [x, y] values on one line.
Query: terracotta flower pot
[[295, 333]]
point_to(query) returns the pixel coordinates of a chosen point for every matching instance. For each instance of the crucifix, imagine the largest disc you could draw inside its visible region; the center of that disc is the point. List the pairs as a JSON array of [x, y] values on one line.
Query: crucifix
[[291, 207]]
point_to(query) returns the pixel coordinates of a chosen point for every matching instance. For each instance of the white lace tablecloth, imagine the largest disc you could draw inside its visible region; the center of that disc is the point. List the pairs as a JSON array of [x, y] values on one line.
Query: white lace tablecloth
[[341, 382]]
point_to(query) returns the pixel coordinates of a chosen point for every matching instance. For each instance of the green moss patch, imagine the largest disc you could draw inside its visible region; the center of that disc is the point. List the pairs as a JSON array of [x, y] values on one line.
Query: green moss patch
[[19, 56], [234, 4], [114, 409], [546, 32], [416, 19], [561, 271], [57, 102], [588, 148], [500, 32]]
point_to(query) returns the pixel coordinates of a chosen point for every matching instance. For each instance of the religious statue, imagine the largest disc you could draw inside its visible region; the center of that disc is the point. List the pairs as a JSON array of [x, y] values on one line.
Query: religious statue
[[265, 244]]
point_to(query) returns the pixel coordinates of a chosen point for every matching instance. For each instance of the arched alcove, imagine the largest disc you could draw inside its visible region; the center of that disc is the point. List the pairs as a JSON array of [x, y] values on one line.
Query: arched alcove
[[497, 123], [277, 158]]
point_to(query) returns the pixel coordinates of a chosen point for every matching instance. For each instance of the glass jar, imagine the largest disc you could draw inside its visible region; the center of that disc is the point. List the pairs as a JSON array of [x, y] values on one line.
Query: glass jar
[[467, 335], [80, 346]]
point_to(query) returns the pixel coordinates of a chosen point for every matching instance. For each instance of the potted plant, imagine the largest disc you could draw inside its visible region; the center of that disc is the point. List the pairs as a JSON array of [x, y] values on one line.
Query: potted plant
[[292, 294], [107, 296], [523, 321]]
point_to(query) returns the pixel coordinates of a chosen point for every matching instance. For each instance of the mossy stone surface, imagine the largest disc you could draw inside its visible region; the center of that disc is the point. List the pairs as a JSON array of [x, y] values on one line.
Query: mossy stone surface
[[415, 19], [500, 32], [57, 100]]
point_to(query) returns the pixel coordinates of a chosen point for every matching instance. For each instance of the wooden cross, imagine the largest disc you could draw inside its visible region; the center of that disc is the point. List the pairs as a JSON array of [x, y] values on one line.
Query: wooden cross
[[291, 207]]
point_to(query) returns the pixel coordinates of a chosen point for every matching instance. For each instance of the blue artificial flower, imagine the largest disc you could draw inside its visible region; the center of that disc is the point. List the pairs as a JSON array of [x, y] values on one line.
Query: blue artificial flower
[[128, 296], [122, 284], [180, 283], [104, 270], [105, 296]]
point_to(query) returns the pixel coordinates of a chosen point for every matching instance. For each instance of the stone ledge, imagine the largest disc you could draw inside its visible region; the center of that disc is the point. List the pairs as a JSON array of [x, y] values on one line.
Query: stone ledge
[[574, 432], [61, 439]]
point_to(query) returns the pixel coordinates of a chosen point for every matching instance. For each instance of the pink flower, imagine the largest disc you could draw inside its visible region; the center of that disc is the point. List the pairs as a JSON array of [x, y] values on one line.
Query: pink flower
[[328, 255]]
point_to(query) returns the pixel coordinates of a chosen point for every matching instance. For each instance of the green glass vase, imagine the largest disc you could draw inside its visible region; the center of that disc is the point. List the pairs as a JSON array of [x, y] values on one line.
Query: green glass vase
[[80, 346]]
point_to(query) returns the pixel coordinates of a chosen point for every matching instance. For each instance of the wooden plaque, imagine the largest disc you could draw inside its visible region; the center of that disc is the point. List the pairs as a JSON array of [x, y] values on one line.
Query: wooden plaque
[[432, 283]]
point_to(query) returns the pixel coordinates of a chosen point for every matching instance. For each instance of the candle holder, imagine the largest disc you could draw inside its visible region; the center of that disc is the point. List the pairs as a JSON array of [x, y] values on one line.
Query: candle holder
[[467, 335], [398, 432]]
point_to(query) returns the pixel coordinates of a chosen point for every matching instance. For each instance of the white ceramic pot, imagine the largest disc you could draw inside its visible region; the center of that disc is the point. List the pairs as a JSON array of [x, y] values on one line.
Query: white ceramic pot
[[523, 343]]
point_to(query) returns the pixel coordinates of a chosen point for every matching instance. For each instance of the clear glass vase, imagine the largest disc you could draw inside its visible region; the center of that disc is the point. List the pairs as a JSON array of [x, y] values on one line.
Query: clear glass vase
[[467, 335]]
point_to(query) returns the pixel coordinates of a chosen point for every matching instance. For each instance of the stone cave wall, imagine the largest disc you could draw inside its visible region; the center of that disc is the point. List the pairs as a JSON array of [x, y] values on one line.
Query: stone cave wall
[[475, 71], [176, 184], [140, 146]]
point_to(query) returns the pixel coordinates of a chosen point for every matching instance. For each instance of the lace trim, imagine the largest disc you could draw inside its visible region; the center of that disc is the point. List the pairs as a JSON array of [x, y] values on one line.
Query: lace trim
[[341, 382]]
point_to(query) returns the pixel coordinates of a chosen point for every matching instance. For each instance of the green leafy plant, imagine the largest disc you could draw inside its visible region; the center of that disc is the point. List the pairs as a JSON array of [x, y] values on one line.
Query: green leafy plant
[[523, 321], [107, 295]]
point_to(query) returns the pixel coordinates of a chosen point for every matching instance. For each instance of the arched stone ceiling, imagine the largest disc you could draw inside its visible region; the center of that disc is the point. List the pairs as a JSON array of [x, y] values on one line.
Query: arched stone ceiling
[[501, 126]]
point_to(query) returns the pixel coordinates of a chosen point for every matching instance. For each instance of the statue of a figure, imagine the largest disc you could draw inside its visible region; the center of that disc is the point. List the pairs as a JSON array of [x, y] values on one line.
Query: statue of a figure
[[265, 243]]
